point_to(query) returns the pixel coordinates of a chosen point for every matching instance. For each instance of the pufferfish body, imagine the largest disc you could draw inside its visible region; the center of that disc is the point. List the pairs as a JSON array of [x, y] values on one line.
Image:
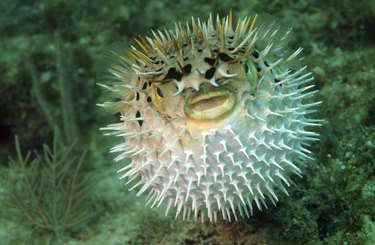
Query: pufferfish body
[[214, 116]]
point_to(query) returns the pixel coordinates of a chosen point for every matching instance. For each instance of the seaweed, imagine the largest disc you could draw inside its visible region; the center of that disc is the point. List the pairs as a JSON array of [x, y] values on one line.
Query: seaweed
[[47, 190], [68, 117]]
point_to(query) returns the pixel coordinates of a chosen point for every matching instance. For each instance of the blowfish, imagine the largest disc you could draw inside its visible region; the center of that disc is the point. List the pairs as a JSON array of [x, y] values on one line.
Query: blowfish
[[214, 116]]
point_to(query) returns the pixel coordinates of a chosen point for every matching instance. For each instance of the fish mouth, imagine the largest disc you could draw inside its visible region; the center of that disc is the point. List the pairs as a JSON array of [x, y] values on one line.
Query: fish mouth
[[209, 105]]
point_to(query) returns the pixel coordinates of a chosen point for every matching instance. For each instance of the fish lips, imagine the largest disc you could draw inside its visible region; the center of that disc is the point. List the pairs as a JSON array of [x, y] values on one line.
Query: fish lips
[[209, 105]]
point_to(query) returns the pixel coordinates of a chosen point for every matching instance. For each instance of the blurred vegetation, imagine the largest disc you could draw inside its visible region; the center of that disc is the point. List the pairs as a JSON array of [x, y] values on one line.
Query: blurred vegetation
[[51, 53], [48, 191]]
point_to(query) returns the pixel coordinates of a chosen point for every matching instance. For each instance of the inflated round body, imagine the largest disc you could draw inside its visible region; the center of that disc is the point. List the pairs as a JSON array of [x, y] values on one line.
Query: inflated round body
[[215, 116]]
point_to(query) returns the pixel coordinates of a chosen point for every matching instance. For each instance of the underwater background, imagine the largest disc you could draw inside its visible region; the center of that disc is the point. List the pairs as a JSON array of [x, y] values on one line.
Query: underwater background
[[58, 183]]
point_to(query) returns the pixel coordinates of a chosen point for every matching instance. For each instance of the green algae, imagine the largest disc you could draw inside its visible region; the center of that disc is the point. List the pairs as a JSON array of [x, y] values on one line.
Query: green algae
[[47, 192]]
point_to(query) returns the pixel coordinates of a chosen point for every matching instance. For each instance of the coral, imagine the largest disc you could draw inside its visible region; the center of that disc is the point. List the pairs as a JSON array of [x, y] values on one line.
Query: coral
[[346, 172], [167, 231], [47, 191], [68, 117]]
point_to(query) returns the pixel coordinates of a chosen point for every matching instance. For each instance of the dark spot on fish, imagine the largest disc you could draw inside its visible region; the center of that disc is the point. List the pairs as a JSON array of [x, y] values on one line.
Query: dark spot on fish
[[161, 68], [258, 69], [210, 73], [246, 66], [159, 92], [266, 63], [157, 62], [276, 81], [199, 50], [137, 96], [179, 76], [137, 115], [149, 84], [256, 54], [165, 81], [187, 69], [144, 86], [149, 99], [215, 50], [224, 57], [210, 61], [185, 58], [153, 57], [173, 74], [231, 49]]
